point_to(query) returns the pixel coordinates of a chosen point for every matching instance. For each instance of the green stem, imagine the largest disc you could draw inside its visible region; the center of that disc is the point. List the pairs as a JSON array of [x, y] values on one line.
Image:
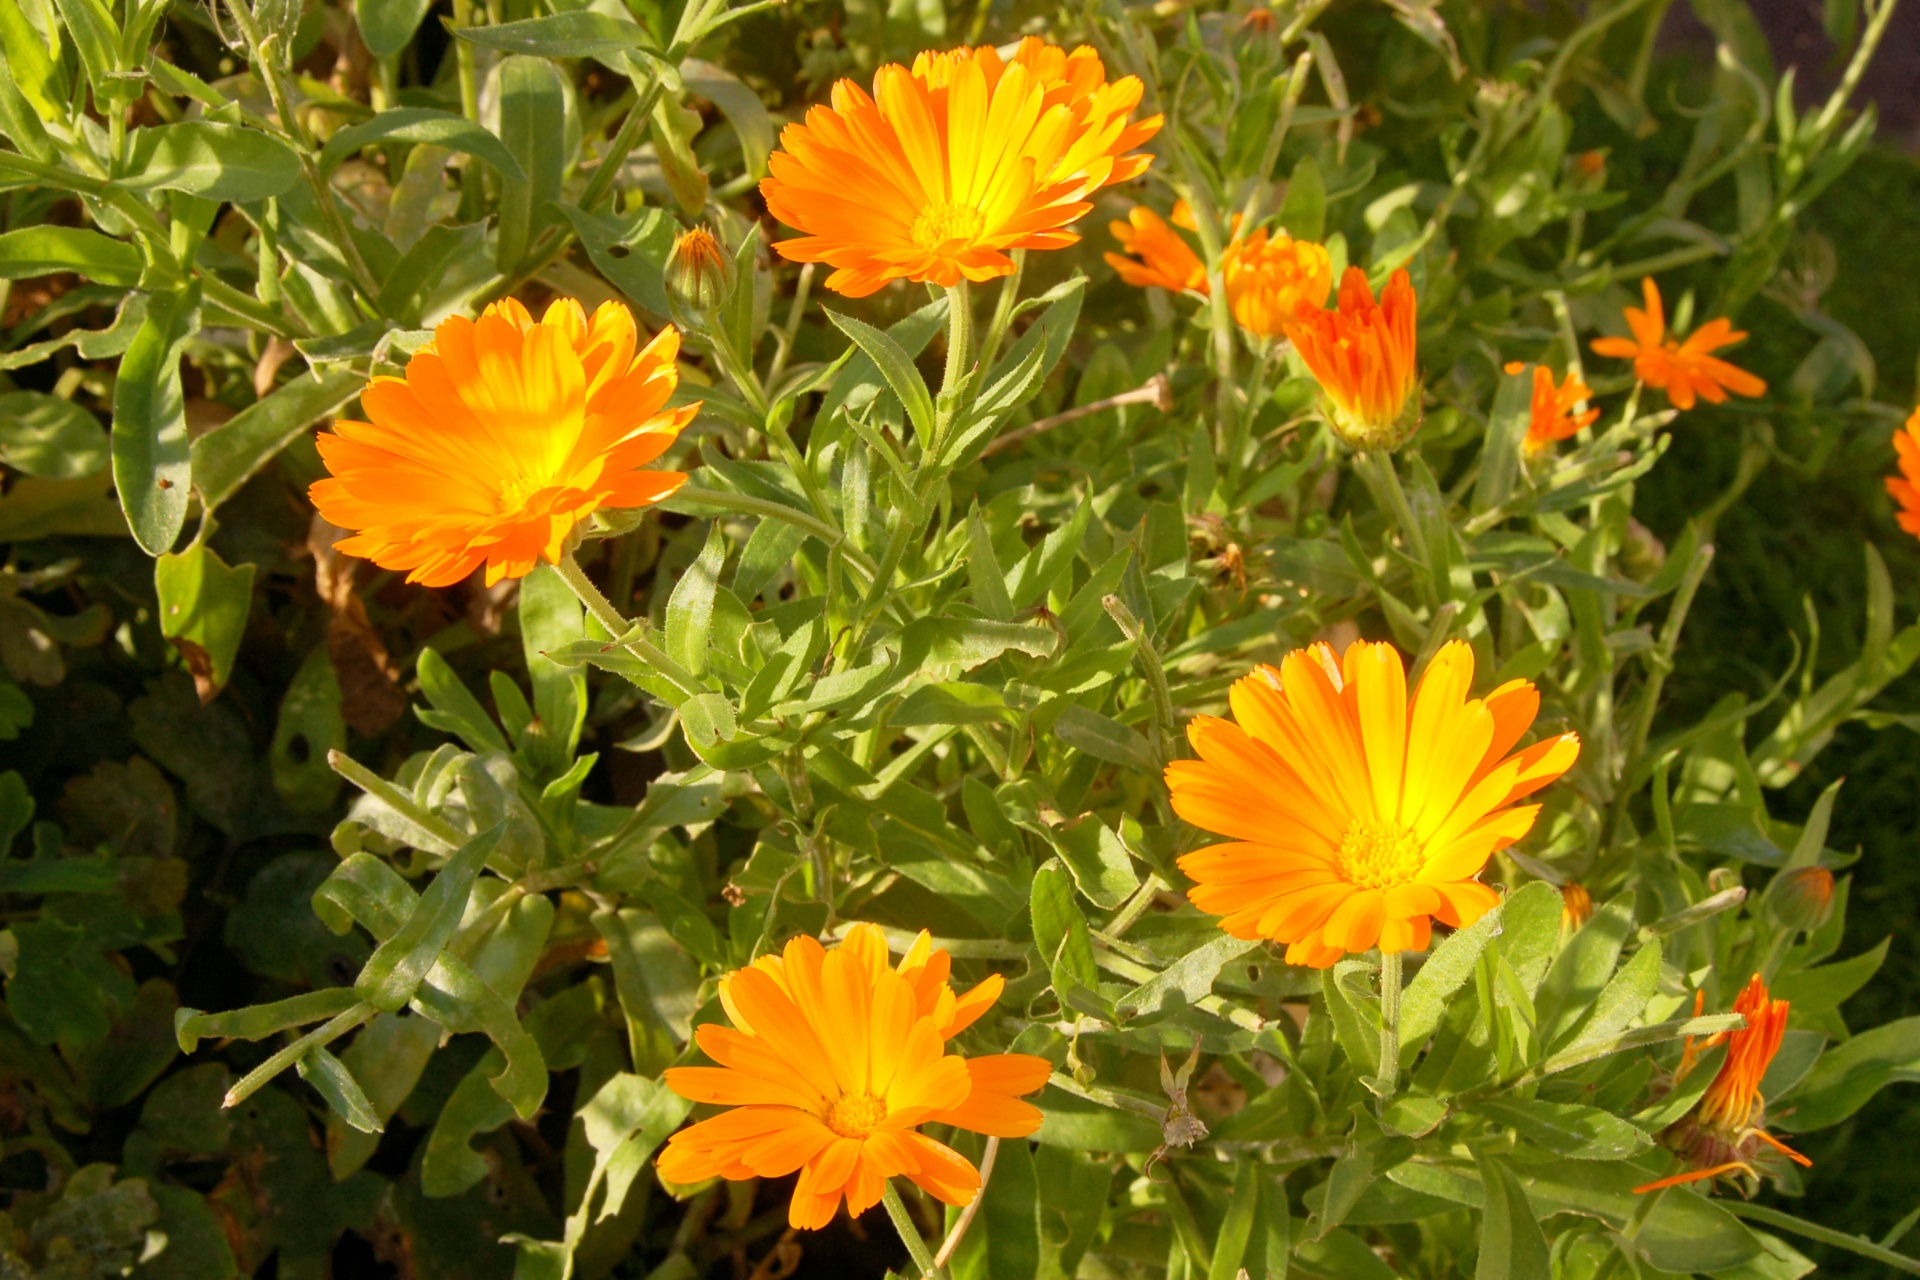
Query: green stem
[[1003, 310], [1390, 980], [463, 59], [318, 1038], [959, 336], [1377, 470], [622, 630], [1825, 1235], [909, 1232]]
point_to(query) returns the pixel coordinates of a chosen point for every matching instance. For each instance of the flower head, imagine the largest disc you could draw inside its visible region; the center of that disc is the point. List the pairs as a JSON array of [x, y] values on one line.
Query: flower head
[[1361, 353], [951, 164], [1576, 906], [1161, 256], [504, 435], [1682, 369], [1269, 280], [1359, 816], [833, 1060], [1905, 487], [1726, 1132], [699, 271], [1552, 415], [1802, 897]]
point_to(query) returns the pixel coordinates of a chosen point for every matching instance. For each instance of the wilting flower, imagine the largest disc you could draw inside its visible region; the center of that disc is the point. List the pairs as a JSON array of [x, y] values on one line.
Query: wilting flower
[[1905, 487], [833, 1061], [1161, 256], [1576, 906], [1358, 818], [699, 271], [1726, 1132], [1681, 369], [1361, 353], [1269, 280], [1551, 415], [504, 435], [950, 165]]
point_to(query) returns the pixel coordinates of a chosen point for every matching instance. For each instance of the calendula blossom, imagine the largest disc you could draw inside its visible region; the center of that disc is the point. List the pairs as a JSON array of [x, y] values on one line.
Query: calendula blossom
[[833, 1061], [949, 166], [1686, 369], [1362, 355], [1160, 255], [1726, 1131], [1905, 487], [503, 437], [1358, 816], [1553, 413], [1270, 280]]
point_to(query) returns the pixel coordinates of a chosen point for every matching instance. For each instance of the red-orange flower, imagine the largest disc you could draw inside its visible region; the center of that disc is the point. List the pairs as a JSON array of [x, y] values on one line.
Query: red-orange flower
[[949, 166], [1359, 815], [1551, 416], [1682, 369], [1362, 355], [504, 435], [1161, 256], [833, 1061], [1726, 1131], [1905, 487]]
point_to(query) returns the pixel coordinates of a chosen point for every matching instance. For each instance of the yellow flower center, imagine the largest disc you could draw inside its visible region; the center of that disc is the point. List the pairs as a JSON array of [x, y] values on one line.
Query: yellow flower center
[[855, 1115], [944, 223], [1377, 855]]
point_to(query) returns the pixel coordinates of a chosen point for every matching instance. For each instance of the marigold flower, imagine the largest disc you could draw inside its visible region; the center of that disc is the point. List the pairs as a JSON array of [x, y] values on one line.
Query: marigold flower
[[1726, 1131], [1362, 353], [1802, 898], [1905, 487], [1552, 415], [949, 165], [1164, 258], [833, 1060], [1358, 817], [504, 435], [699, 271], [1576, 906], [1269, 280], [1682, 369]]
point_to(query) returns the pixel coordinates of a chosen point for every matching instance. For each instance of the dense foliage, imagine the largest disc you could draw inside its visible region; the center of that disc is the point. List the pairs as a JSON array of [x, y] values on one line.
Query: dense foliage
[[354, 924]]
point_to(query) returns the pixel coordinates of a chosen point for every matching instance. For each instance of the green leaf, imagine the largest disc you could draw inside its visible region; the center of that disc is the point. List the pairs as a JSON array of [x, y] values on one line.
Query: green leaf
[[1101, 867], [422, 125], [336, 1084], [455, 709], [396, 969], [30, 65], [1426, 999], [896, 366], [310, 726], [386, 26], [740, 104], [152, 463], [1850, 1073], [1236, 1229], [1186, 981], [215, 161], [50, 438], [44, 250], [203, 612], [1582, 970], [1060, 931], [97, 36], [1512, 1246], [581, 34], [1625, 996], [386, 1059], [1567, 1128], [630, 252], [690, 607], [551, 617], [1303, 213], [1812, 992], [674, 129], [533, 120]]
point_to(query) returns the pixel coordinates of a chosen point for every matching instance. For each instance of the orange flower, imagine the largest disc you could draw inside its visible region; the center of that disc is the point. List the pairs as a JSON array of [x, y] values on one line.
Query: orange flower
[[1552, 417], [1576, 906], [1726, 1131], [950, 165], [1165, 258], [1681, 369], [833, 1060], [1362, 355], [1357, 817], [1905, 487], [504, 435], [1268, 281]]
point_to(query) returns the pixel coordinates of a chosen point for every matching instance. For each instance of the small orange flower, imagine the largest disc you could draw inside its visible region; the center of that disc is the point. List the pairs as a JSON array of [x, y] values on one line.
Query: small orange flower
[[1269, 281], [504, 435], [1362, 355], [833, 1060], [947, 167], [1164, 258], [1552, 416], [1726, 1131], [1905, 487], [1576, 906], [1359, 816], [1681, 369]]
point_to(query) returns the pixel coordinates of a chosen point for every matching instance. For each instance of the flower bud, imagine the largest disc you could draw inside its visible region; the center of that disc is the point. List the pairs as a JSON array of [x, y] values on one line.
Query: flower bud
[[1361, 352], [699, 271], [1802, 898], [1576, 906]]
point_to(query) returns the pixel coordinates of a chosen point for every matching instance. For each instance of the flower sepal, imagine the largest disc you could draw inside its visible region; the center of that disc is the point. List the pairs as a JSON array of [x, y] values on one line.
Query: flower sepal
[[1363, 434]]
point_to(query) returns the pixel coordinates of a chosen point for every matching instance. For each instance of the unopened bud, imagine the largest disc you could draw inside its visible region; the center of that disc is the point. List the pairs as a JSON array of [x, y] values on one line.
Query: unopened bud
[[1641, 554], [1590, 170], [1802, 898], [699, 272], [1576, 906]]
